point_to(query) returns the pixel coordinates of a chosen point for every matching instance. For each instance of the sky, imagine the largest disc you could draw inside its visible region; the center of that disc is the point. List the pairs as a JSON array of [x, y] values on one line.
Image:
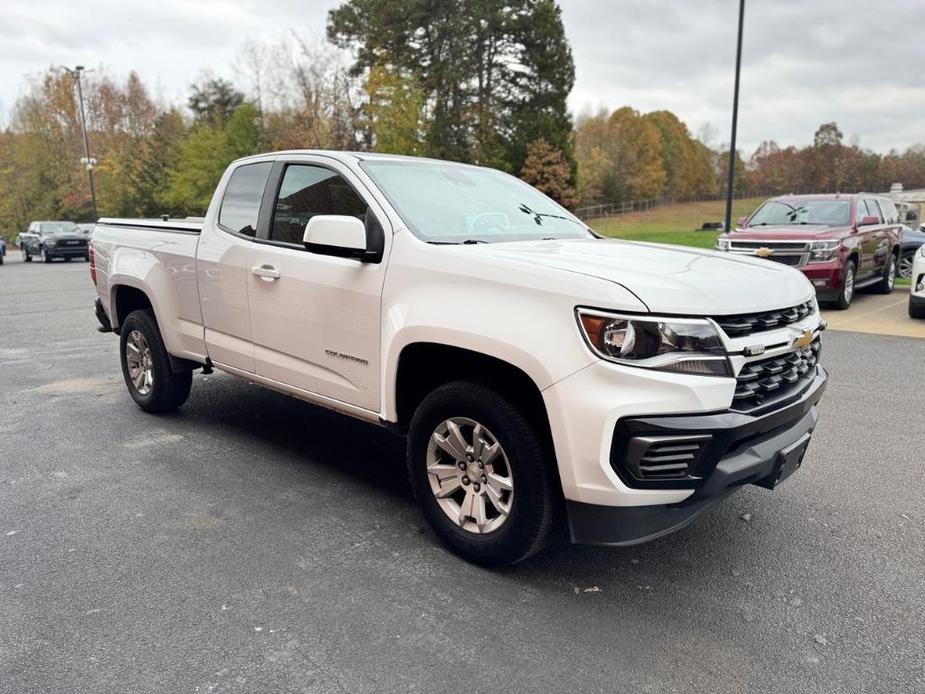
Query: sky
[[859, 63]]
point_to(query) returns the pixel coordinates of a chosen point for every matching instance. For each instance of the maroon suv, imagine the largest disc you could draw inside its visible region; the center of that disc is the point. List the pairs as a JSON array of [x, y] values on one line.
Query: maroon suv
[[840, 242]]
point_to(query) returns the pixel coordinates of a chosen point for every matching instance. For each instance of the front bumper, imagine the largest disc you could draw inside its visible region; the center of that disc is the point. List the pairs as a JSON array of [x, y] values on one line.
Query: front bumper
[[754, 451], [826, 277], [67, 252]]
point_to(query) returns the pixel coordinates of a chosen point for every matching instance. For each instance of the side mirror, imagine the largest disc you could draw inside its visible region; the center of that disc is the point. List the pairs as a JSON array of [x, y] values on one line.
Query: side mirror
[[869, 220], [338, 235]]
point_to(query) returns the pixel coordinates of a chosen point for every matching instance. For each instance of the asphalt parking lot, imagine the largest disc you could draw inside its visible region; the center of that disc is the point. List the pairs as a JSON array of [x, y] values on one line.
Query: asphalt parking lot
[[253, 543]]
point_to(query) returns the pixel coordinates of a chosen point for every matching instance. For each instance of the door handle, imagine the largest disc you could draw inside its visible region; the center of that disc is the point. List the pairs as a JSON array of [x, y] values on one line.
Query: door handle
[[267, 273]]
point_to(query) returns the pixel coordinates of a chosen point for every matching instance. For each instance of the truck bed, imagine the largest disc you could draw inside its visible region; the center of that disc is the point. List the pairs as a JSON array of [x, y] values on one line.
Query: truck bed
[[159, 255], [189, 225]]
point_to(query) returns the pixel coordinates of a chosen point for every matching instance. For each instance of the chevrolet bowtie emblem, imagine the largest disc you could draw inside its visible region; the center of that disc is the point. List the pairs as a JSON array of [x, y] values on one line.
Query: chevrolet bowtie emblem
[[764, 252], [803, 340]]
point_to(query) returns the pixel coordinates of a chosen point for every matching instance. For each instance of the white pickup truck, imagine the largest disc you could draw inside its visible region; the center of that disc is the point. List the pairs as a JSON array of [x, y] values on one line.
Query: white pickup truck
[[542, 374]]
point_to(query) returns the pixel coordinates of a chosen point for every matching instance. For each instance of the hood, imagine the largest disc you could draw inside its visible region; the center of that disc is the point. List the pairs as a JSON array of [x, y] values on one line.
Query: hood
[[67, 236], [667, 279], [790, 232]]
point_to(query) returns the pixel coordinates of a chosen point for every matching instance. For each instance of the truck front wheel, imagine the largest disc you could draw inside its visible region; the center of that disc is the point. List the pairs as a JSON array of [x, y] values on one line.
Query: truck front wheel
[[847, 290], [483, 474], [153, 385]]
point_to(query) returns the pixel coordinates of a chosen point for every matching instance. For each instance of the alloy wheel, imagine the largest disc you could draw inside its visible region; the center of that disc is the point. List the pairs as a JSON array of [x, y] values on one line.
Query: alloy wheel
[[849, 286], [139, 361], [904, 269], [891, 276], [470, 475]]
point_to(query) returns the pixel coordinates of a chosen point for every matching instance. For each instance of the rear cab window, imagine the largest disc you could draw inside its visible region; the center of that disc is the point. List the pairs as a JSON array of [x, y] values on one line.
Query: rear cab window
[[241, 201]]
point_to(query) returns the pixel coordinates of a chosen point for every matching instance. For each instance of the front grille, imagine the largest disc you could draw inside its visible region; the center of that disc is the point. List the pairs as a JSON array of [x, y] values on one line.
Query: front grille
[[794, 260], [748, 323], [775, 245], [775, 379], [72, 243], [665, 457]]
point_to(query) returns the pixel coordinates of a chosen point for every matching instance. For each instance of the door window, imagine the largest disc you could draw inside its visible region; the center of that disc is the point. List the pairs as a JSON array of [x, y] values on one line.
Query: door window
[[874, 209], [890, 214], [241, 202], [307, 191], [862, 211]]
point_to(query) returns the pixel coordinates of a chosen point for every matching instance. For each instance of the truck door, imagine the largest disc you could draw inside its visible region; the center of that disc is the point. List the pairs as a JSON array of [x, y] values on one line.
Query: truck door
[[868, 244], [222, 269], [876, 238], [316, 318]]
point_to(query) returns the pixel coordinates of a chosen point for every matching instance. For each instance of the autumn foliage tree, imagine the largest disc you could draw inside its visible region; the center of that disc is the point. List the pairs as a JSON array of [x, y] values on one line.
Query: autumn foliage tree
[[546, 169]]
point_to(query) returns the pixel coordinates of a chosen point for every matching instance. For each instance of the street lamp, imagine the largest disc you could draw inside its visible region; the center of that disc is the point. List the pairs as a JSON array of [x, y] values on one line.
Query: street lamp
[[88, 161], [735, 120]]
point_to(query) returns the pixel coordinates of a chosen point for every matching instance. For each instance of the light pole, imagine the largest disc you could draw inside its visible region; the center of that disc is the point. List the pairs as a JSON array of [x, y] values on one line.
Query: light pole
[[86, 160], [735, 120]]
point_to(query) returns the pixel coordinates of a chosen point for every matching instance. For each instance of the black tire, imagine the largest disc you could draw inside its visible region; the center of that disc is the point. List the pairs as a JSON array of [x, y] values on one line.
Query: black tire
[[26, 258], [888, 281], [87, 258], [43, 254], [916, 310], [1, 260], [535, 503], [168, 389], [843, 301]]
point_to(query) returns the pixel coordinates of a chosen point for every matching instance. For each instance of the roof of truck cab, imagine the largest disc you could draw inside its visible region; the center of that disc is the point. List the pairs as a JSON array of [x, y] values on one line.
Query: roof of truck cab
[[350, 156]]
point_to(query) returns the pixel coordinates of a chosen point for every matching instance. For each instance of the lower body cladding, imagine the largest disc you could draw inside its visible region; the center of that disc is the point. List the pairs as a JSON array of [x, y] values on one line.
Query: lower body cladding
[[629, 478]]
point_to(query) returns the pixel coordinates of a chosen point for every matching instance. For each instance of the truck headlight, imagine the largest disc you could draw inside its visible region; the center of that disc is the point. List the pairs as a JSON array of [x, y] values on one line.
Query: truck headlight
[[50, 242], [821, 251], [722, 244], [682, 345]]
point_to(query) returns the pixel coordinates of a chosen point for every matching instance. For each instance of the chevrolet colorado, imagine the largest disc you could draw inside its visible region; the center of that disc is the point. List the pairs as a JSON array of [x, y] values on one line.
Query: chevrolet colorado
[[543, 375]]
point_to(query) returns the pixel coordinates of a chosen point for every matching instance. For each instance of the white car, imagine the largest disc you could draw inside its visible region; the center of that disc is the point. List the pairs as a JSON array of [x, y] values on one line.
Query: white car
[[917, 292], [539, 371]]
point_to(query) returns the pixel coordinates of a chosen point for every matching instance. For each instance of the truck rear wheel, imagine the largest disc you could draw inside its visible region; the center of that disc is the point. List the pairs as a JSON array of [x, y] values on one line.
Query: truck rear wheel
[[483, 474], [151, 382]]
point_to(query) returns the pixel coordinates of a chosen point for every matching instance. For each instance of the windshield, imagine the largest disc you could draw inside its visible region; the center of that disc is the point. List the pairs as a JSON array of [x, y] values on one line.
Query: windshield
[[828, 213], [446, 203], [52, 228]]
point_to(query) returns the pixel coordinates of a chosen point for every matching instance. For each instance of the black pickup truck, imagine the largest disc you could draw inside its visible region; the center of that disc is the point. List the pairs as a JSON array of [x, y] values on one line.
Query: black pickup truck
[[50, 240]]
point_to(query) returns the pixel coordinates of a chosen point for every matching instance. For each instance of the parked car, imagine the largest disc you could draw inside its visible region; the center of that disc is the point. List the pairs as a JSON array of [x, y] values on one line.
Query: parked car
[[912, 240], [842, 243], [539, 371], [2, 250], [50, 240], [917, 292]]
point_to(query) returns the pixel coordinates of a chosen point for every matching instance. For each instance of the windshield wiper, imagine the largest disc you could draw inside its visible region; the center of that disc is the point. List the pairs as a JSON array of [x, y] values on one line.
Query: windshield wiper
[[467, 242], [538, 216]]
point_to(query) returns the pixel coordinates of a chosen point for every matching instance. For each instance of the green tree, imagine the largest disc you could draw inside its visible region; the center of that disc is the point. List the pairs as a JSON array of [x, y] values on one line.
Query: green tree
[[204, 155], [494, 73], [393, 112], [214, 101]]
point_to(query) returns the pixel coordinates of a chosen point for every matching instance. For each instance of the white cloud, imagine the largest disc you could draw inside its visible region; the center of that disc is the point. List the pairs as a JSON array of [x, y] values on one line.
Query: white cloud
[[804, 62]]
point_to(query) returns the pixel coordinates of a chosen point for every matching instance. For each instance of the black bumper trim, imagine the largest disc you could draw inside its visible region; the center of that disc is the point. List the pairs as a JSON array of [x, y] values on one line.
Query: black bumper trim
[[105, 325], [753, 460], [730, 432]]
